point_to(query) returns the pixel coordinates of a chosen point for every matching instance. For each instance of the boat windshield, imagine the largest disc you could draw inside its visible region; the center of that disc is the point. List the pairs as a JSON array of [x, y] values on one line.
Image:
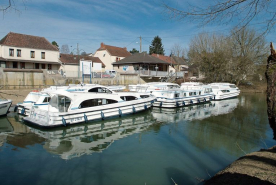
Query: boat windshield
[[33, 96], [60, 102], [233, 86]]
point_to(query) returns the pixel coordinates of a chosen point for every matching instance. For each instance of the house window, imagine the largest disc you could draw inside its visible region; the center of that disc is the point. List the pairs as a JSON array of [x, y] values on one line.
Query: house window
[[22, 65], [14, 65], [11, 52], [42, 55], [49, 66], [43, 66], [117, 59], [36, 65], [19, 53], [3, 64], [32, 54], [103, 55]]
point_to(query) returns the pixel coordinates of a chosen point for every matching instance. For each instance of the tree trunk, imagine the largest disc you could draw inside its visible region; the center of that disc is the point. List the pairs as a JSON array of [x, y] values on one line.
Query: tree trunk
[[271, 89]]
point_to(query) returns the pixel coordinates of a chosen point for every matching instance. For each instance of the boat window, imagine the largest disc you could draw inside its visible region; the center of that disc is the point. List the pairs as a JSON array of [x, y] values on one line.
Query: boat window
[[176, 95], [144, 96], [100, 90], [128, 98], [96, 102], [199, 92], [190, 93], [225, 91], [194, 93], [232, 86], [184, 94], [60, 102], [46, 99]]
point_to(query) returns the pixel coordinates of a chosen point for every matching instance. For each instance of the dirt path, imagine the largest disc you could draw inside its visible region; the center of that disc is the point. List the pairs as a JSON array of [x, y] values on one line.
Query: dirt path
[[15, 95], [257, 168]]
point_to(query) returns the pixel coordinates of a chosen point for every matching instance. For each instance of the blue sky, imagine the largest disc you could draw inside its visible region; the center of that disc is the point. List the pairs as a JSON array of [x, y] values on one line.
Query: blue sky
[[113, 22]]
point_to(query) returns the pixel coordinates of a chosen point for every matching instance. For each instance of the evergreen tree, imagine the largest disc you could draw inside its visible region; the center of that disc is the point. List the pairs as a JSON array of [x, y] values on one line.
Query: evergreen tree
[[156, 46], [55, 44], [133, 51]]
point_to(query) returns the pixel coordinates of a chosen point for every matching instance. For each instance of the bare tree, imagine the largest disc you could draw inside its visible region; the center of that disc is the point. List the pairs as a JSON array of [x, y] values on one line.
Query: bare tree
[[178, 50], [65, 49], [262, 12], [9, 4], [228, 58]]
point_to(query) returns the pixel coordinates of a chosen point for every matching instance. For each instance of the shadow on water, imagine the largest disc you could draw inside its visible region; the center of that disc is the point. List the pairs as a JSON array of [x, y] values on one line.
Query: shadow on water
[[235, 178], [177, 176]]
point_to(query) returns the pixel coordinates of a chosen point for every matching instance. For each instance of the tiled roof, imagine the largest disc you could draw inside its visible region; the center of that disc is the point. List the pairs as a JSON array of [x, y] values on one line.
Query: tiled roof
[[27, 41], [115, 51], [167, 59], [74, 59], [140, 58]]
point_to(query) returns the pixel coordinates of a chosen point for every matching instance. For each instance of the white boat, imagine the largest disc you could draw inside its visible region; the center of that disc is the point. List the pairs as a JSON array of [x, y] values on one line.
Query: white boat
[[224, 90], [42, 98], [5, 106], [170, 95], [71, 107]]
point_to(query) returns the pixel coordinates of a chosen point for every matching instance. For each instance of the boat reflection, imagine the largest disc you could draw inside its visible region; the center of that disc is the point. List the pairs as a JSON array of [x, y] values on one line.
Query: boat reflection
[[5, 127], [195, 112], [85, 139]]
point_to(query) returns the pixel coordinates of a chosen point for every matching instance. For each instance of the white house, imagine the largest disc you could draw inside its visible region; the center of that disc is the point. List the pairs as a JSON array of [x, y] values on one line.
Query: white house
[[110, 54], [71, 64], [20, 51]]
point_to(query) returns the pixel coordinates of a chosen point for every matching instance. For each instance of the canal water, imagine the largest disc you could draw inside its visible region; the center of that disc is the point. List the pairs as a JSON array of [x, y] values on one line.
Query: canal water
[[159, 146]]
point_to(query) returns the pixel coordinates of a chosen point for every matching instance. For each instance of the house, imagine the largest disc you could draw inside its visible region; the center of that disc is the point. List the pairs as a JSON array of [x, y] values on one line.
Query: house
[[70, 64], [167, 59], [20, 51], [143, 64], [110, 54]]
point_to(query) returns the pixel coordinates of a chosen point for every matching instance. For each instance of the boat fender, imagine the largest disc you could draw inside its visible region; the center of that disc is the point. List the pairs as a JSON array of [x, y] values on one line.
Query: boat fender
[[177, 104], [85, 118], [191, 102], [198, 100], [133, 109], [15, 109], [63, 121], [145, 106], [183, 103], [120, 112], [160, 104], [22, 111], [102, 115], [204, 99]]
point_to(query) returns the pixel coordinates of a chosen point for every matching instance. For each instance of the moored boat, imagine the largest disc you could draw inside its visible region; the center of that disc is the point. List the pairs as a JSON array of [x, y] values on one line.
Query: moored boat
[[5, 106], [71, 107], [224, 90], [170, 95]]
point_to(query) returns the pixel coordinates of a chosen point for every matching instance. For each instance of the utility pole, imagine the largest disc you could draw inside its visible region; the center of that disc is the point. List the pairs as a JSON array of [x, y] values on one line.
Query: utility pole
[[78, 58], [140, 44]]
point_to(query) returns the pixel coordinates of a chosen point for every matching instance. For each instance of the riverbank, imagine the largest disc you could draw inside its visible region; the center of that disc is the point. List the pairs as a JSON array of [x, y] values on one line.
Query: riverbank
[[257, 168]]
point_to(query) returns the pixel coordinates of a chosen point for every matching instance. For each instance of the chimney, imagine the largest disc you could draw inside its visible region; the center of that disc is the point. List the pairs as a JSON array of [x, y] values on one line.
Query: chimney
[[102, 45], [125, 48]]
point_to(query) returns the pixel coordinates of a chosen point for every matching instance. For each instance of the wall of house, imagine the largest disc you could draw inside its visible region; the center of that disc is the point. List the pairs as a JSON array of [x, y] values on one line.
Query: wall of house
[[52, 56], [105, 57]]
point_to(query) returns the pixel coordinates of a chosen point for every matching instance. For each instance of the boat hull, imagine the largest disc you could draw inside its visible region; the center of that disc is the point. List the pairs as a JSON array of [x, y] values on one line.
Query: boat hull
[[4, 107], [181, 102]]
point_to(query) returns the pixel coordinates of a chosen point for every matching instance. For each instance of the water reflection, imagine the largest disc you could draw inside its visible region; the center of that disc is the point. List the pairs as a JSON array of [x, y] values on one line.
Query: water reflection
[[240, 131], [84, 139], [198, 112]]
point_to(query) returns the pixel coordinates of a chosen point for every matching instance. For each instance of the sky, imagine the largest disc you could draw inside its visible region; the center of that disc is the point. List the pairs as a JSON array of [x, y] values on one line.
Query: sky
[[88, 23]]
